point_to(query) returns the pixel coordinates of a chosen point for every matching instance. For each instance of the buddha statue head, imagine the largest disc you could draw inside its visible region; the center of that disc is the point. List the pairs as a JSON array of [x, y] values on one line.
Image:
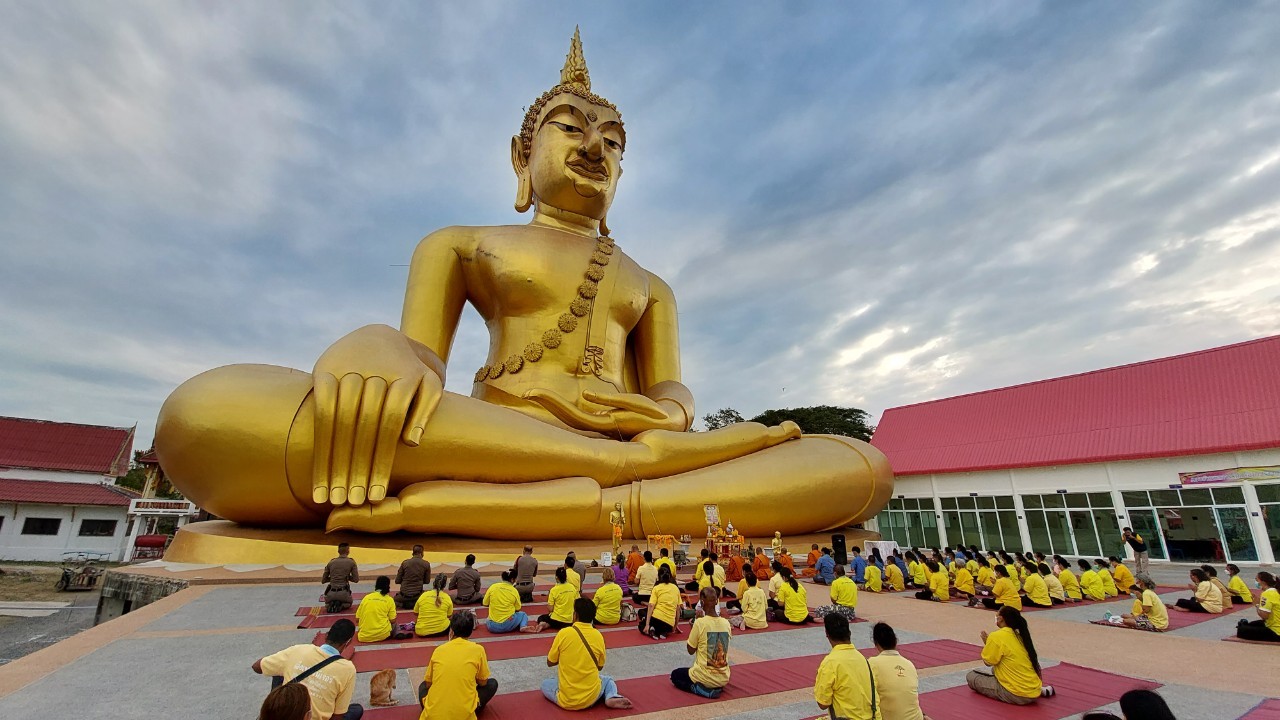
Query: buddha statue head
[[568, 154]]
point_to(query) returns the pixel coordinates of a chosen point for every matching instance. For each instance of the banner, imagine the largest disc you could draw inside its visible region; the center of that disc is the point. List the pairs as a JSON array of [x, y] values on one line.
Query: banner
[[1243, 474]]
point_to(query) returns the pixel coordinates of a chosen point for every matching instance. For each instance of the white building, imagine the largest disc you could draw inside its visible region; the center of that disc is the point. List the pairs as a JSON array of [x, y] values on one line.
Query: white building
[[1186, 450], [57, 489]]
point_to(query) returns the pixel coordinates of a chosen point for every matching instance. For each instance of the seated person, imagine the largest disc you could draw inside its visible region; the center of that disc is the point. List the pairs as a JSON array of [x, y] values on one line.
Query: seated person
[[1104, 574], [287, 702], [1003, 592], [693, 585], [984, 580], [414, 572], [826, 568], [1014, 676], [434, 609], [560, 599], [875, 579], [793, 600], [939, 585], [1057, 593], [1149, 612], [332, 684], [962, 582], [736, 603], [787, 561], [662, 617], [709, 645], [665, 559], [1136, 705], [1090, 582], [620, 577], [1123, 578], [457, 683], [857, 568], [646, 578], [578, 653], [1212, 572], [608, 600], [897, 682], [338, 575], [466, 583], [634, 560], [711, 575], [1267, 627], [1236, 587], [1070, 585], [775, 583], [573, 574], [755, 606], [737, 562], [811, 562], [1037, 591], [760, 564], [1208, 598], [893, 576], [376, 616], [844, 686], [844, 597], [503, 600]]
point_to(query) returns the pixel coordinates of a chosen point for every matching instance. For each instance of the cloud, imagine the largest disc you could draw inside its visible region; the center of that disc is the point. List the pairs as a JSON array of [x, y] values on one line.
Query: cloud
[[869, 206]]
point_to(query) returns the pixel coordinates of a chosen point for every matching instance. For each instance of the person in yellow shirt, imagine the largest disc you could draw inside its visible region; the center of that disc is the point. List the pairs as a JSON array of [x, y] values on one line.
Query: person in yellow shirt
[[1149, 612], [1004, 592], [963, 583], [330, 686], [560, 601], [844, 596], [938, 587], [1212, 572], [1057, 593], [1267, 627], [503, 600], [1123, 578], [897, 682], [755, 605], [1090, 584], [457, 683], [662, 617], [984, 580], [608, 600], [646, 578], [1208, 598], [434, 608], [972, 565], [1070, 585], [919, 571], [578, 654], [1104, 574], [893, 577], [712, 575], [1037, 591], [845, 685], [1014, 676], [1239, 591], [794, 601], [376, 616], [708, 643], [666, 560], [874, 579], [573, 577]]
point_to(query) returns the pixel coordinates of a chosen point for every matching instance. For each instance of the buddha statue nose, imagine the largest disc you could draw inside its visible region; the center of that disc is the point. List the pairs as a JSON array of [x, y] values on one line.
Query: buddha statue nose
[[592, 146]]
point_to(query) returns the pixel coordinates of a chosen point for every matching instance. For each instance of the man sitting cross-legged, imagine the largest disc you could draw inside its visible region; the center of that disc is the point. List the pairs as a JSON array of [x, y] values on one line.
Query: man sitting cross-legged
[[709, 645], [329, 677], [466, 583], [844, 685], [579, 653], [897, 683], [457, 683]]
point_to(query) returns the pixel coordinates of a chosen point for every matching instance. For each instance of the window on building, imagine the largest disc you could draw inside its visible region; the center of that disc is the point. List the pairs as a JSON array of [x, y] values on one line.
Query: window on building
[[41, 526], [97, 528], [1269, 498]]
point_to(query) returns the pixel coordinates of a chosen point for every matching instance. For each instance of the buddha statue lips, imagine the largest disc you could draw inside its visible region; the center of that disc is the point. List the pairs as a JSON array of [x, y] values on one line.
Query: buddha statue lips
[[579, 409]]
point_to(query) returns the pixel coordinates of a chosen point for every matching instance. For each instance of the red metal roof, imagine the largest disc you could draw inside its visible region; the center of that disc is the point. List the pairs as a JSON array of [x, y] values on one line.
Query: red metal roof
[[50, 492], [46, 445], [1218, 400]]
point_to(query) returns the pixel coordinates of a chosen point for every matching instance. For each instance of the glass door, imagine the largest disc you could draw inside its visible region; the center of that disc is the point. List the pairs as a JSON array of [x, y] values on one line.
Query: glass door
[[1086, 537], [1233, 522], [1144, 523], [1059, 532], [969, 526]]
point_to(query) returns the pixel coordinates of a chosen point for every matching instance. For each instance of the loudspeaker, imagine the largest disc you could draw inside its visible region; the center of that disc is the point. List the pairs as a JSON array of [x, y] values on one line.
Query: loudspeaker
[[838, 551]]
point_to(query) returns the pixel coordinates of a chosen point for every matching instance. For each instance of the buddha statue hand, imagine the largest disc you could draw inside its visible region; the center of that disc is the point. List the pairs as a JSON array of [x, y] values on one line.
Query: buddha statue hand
[[373, 388], [625, 414]]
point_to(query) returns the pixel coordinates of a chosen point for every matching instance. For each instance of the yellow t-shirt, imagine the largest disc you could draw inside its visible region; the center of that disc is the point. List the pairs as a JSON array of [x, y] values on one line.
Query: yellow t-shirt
[[503, 601], [972, 566], [795, 603], [1108, 582], [560, 600], [1270, 602], [608, 600], [1070, 585], [964, 580], [331, 686], [844, 683], [985, 576], [1210, 597], [579, 672], [665, 599], [1013, 572], [754, 605], [742, 587], [1056, 591], [1036, 589], [893, 576], [1238, 587], [993, 561], [716, 578], [668, 562], [1122, 578], [646, 578], [775, 582], [919, 574], [432, 618], [940, 584], [844, 591], [574, 579], [874, 578], [1091, 585], [1159, 614], [897, 686], [710, 638], [1011, 664], [1006, 593], [453, 673], [375, 617]]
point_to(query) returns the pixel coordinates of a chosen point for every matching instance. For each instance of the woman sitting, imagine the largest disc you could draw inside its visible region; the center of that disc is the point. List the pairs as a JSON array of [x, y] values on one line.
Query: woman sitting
[[1124, 579], [560, 605], [1212, 572], [939, 588], [874, 579], [1208, 598], [1149, 612], [1267, 627], [1037, 591], [376, 616], [962, 582], [1108, 582], [662, 617], [1236, 587], [608, 600], [1014, 676], [1057, 593], [793, 600], [1070, 585], [435, 609], [755, 606], [893, 576], [1004, 592], [1090, 583]]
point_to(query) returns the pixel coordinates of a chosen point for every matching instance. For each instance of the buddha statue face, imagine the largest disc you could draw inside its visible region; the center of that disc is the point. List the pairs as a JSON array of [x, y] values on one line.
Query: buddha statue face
[[576, 157]]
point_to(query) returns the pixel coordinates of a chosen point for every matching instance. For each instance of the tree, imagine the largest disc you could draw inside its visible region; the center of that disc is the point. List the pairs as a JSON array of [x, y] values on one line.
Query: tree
[[136, 479], [819, 420], [722, 418]]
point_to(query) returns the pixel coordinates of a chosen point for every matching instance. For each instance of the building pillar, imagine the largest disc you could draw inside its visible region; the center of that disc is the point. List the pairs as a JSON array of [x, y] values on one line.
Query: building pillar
[[1253, 511], [126, 553], [1020, 512]]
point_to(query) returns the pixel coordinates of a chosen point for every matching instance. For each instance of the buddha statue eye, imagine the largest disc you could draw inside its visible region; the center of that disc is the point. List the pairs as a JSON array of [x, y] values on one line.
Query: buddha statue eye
[[567, 128], [612, 143]]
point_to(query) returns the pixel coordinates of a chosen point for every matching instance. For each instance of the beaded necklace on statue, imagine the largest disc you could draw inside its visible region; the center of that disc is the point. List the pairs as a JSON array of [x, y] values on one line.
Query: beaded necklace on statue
[[565, 324]]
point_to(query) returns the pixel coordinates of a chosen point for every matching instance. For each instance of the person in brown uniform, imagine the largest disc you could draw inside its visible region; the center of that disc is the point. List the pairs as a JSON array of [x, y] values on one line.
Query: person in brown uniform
[[525, 569], [338, 576], [466, 581], [413, 572]]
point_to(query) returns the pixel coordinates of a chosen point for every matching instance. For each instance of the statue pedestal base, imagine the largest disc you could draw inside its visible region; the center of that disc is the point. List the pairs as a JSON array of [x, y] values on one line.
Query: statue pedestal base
[[220, 542]]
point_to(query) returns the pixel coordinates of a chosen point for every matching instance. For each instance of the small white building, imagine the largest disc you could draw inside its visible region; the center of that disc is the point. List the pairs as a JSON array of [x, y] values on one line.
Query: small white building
[[57, 489]]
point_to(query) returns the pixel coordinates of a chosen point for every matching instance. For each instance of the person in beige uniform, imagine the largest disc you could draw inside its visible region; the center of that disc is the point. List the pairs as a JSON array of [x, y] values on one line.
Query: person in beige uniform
[[413, 572], [466, 583], [337, 578], [897, 683], [524, 571]]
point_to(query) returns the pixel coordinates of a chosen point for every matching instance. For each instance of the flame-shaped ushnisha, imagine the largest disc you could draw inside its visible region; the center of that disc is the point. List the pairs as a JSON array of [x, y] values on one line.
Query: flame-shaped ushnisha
[[575, 80]]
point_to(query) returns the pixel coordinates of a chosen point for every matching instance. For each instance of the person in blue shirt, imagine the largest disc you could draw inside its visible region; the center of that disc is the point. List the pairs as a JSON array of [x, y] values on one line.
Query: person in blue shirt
[[826, 568], [897, 560], [876, 559], [859, 566]]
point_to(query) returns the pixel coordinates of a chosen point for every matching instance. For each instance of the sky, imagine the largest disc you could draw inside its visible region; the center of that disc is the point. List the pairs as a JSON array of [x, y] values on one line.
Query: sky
[[864, 205]]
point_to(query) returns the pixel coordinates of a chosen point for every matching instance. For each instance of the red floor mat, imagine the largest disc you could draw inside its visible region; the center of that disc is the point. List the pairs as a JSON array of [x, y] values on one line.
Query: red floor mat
[[357, 597], [1266, 710], [1079, 689], [326, 621], [656, 693]]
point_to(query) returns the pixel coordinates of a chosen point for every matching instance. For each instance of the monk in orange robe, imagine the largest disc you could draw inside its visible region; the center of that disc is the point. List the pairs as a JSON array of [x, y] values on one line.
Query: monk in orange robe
[[811, 563], [761, 565], [634, 561], [786, 561], [733, 573]]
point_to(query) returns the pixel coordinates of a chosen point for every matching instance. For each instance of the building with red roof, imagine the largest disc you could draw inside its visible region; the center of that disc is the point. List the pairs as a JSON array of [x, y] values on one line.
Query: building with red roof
[[1184, 449]]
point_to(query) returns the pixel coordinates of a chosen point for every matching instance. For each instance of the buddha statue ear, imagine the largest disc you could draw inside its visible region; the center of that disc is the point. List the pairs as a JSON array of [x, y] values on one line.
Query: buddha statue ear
[[520, 163], [604, 227]]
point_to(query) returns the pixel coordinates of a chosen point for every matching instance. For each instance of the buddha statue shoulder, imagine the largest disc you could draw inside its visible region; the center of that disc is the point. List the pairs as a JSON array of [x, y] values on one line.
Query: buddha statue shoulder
[[578, 409]]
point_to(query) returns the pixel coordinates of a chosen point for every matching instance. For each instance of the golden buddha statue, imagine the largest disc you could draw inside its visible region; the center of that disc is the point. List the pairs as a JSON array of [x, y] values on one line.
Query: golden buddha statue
[[579, 409]]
